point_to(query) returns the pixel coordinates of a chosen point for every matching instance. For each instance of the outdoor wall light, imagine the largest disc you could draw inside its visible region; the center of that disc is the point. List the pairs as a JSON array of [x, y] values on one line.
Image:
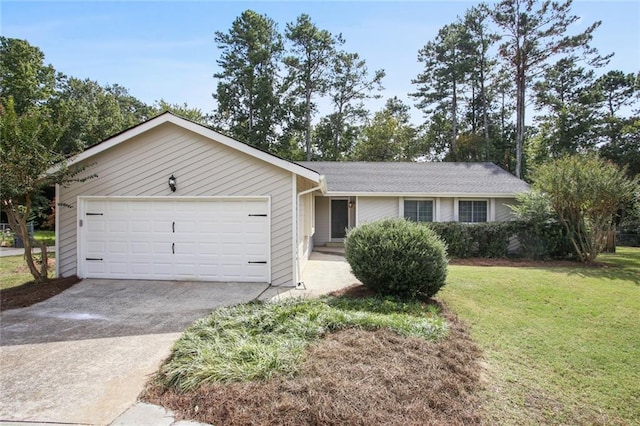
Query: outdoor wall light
[[350, 204], [172, 183]]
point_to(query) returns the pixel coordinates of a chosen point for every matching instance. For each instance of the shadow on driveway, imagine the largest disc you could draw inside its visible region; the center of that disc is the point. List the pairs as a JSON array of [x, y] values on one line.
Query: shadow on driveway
[[94, 309]]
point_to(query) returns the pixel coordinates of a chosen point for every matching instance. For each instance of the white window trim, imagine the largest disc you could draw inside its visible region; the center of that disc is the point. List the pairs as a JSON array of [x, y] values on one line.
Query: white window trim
[[490, 208], [435, 204]]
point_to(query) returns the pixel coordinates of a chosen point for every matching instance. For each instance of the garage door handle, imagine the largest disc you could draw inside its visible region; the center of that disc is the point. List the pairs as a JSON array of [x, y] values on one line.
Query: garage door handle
[[258, 261], [173, 227], [93, 258], [259, 215], [173, 248]]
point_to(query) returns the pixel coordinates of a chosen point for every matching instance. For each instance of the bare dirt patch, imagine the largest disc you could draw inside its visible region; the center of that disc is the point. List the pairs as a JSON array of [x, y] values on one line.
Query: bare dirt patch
[[352, 377], [31, 293]]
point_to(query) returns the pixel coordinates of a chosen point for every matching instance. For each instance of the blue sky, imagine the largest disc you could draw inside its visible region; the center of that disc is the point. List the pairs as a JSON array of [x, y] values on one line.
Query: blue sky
[[166, 49]]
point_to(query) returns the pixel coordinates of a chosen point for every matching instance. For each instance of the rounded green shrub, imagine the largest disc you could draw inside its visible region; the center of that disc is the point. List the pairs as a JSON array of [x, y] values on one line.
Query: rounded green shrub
[[398, 258]]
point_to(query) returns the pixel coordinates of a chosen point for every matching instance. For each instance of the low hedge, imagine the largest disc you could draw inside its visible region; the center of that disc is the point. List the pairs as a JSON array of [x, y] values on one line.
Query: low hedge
[[490, 239]]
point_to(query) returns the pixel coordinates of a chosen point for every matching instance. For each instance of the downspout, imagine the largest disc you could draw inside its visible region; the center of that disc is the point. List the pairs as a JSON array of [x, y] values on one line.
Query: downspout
[[322, 187]]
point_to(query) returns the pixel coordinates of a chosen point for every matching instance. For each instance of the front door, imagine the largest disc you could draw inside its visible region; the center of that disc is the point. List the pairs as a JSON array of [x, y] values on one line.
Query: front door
[[339, 218]]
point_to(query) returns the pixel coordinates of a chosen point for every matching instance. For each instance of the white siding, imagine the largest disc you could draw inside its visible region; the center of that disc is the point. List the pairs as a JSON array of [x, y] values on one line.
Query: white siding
[[371, 209], [142, 165], [323, 226]]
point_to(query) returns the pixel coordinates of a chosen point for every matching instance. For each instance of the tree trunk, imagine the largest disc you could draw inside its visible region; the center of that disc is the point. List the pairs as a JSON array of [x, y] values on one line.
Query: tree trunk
[[307, 135], [520, 107], [18, 223], [485, 118], [454, 121]]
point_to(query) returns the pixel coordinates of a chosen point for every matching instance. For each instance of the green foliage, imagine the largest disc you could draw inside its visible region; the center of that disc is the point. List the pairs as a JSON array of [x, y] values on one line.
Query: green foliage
[[397, 257], [464, 240], [183, 110], [349, 86], [533, 33], [256, 341], [247, 91], [539, 232], [586, 193], [308, 65], [566, 96], [23, 74], [447, 63], [389, 136]]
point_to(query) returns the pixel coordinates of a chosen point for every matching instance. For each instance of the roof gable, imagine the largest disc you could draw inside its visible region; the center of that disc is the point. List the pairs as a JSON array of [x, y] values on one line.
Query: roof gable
[[418, 179], [168, 117]]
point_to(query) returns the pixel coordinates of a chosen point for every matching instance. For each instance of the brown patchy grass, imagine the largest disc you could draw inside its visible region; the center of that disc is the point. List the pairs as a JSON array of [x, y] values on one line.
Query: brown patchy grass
[[352, 377]]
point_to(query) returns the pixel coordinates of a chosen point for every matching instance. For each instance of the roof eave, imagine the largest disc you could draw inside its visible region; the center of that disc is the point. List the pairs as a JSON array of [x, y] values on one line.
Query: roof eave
[[424, 194]]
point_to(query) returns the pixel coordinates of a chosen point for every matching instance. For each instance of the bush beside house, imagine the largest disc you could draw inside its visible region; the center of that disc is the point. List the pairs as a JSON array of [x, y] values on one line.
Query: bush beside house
[[396, 257]]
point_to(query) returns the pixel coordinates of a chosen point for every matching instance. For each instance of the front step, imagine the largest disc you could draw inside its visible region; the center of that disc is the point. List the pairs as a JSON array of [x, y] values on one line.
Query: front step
[[334, 244]]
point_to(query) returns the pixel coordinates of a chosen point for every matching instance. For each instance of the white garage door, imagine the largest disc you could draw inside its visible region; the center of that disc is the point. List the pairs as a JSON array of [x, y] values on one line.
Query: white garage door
[[197, 239]]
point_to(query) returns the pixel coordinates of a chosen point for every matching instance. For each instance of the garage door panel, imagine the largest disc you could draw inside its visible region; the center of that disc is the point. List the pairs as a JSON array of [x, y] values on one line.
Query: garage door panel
[[176, 239]]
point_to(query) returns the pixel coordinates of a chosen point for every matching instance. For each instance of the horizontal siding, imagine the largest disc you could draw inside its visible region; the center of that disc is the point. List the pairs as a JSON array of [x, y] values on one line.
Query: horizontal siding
[[446, 210], [503, 212], [322, 234], [142, 166], [371, 209]]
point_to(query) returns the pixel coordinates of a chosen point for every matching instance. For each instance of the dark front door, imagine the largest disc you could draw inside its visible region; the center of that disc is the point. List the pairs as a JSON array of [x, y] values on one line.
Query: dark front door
[[339, 218]]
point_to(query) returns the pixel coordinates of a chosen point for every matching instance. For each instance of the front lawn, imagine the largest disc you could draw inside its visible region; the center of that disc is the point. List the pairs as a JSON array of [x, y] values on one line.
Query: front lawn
[[561, 344], [48, 237], [14, 270]]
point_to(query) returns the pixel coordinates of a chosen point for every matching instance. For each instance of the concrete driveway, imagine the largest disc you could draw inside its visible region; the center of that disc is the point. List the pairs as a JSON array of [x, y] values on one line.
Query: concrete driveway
[[84, 355]]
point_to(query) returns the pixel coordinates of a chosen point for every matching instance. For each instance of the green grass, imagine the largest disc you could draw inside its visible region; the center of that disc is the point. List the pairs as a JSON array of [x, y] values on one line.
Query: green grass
[[48, 237], [14, 271], [258, 340], [562, 343]]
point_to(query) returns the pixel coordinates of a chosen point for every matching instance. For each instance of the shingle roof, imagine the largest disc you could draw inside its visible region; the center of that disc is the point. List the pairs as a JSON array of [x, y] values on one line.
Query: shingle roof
[[418, 178]]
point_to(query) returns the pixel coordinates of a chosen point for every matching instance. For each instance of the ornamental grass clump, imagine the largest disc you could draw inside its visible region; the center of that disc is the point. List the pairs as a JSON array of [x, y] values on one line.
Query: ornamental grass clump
[[396, 257]]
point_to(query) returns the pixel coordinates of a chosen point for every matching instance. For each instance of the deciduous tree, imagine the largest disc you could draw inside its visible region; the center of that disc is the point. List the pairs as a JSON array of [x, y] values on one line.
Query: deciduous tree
[[586, 192], [388, 136]]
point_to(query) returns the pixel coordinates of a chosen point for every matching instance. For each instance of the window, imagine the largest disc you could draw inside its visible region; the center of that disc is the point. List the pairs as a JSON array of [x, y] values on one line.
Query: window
[[418, 210], [472, 211]]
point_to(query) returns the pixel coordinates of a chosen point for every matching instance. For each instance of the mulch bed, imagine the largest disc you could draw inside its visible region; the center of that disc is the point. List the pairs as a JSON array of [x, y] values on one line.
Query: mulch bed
[[31, 293], [519, 263], [352, 377]]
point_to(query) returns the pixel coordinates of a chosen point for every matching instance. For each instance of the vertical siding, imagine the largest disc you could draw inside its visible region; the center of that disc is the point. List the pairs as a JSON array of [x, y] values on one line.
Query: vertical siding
[[503, 212], [371, 209], [142, 165], [322, 234]]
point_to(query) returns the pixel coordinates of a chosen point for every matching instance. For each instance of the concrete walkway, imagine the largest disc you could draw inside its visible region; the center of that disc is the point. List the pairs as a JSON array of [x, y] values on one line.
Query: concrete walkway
[[323, 274], [12, 251]]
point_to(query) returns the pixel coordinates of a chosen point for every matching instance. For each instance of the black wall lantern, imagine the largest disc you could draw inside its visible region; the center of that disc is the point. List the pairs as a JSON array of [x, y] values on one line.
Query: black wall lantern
[[172, 183]]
